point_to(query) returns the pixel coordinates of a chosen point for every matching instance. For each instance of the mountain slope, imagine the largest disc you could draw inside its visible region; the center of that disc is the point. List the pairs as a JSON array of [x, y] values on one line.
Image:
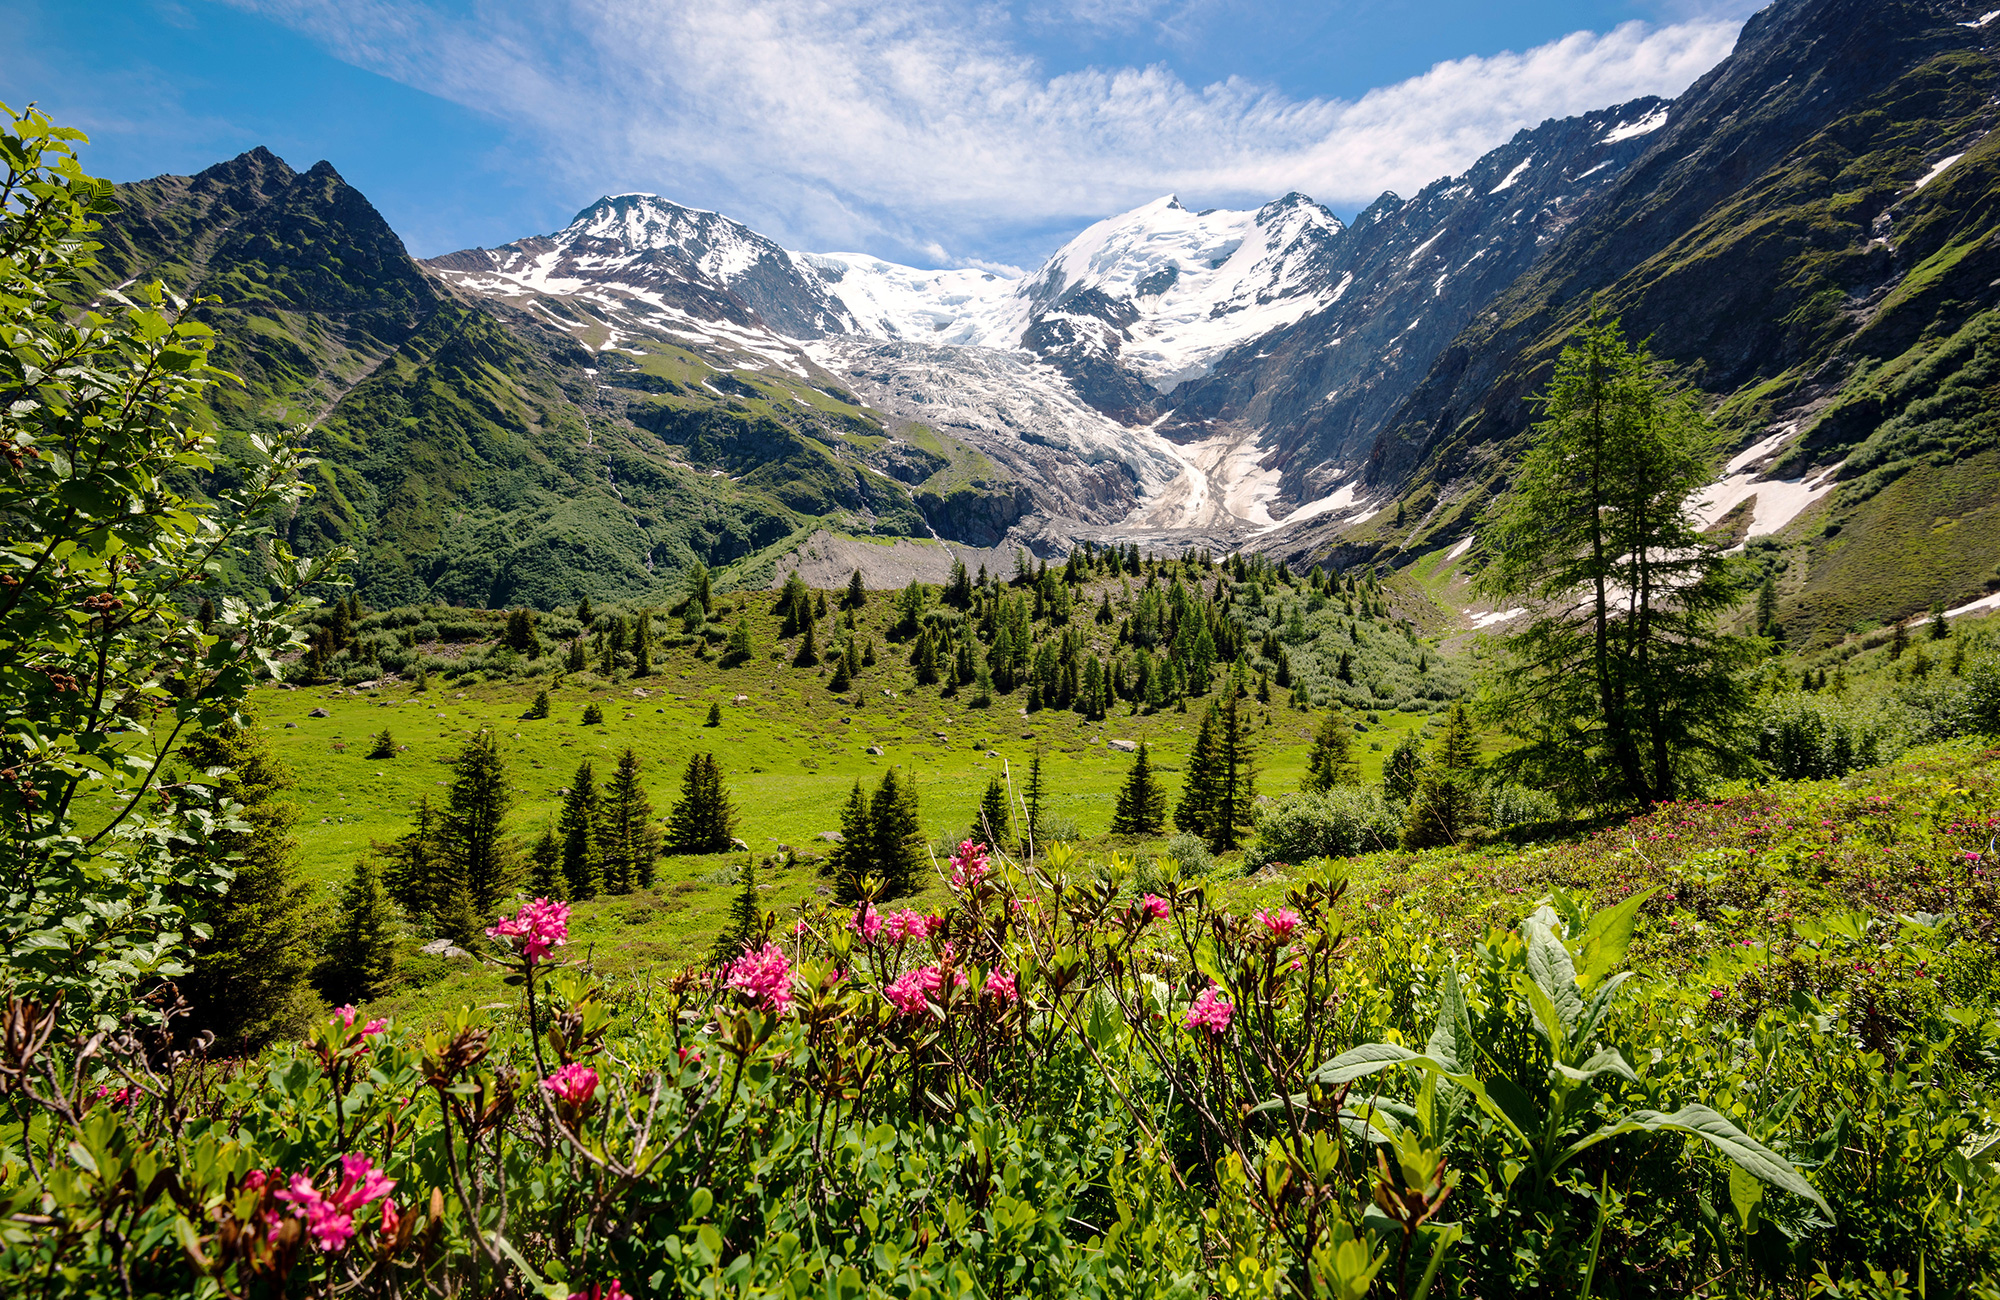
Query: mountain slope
[[1791, 237]]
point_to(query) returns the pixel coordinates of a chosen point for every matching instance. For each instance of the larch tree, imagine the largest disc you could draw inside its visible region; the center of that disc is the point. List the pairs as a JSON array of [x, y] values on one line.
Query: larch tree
[[1446, 802], [1620, 686]]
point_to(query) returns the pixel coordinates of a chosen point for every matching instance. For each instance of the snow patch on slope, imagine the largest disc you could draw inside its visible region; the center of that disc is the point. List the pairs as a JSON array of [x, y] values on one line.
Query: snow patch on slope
[[1632, 130]]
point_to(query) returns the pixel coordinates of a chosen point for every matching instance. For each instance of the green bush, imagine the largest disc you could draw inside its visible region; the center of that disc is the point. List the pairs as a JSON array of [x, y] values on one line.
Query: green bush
[[1812, 737], [1344, 821]]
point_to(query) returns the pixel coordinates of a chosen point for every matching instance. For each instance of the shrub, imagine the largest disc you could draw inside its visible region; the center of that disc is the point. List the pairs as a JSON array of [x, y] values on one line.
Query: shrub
[[1518, 805], [1813, 737], [383, 746], [1191, 851], [1340, 823], [593, 714]]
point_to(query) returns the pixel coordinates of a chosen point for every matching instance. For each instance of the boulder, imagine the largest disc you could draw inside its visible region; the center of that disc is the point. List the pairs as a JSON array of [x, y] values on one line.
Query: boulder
[[319, 713], [1128, 746], [831, 837], [876, 750]]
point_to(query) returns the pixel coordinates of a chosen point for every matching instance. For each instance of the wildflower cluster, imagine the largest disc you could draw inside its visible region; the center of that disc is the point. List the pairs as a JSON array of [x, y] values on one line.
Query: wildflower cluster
[[328, 1216], [764, 977], [534, 931]]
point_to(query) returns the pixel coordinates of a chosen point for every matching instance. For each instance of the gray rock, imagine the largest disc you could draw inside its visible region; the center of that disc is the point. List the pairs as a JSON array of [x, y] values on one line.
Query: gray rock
[[1126, 745], [831, 837], [875, 750], [443, 948], [319, 713], [739, 844]]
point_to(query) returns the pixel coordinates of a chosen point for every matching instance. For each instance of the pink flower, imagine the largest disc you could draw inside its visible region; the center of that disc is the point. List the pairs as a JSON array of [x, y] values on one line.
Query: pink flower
[[799, 927], [1000, 984], [599, 1291], [122, 1097], [909, 924], [535, 930], [575, 1083], [1211, 1011], [330, 1219], [968, 865], [347, 1015], [1154, 908], [1281, 924], [910, 990], [765, 977], [866, 922]]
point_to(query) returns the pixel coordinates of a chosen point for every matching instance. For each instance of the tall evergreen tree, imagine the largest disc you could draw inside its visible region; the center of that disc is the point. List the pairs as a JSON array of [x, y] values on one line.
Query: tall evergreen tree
[[994, 827], [1142, 804], [1218, 801], [545, 873], [576, 827], [852, 858], [474, 810], [420, 874], [703, 820], [642, 644], [857, 595], [895, 837], [745, 926], [1034, 800], [1622, 688], [794, 605], [628, 842], [1331, 761], [1400, 772], [741, 648], [249, 981], [808, 655], [360, 961], [1446, 803]]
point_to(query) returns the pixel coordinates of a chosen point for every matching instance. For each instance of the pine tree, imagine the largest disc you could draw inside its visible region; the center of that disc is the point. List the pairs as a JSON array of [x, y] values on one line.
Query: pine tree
[[1198, 791], [360, 961], [840, 680], [1142, 804], [420, 874], [1332, 761], [1939, 628], [1767, 606], [540, 708], [1899, 641], [745, 926], [714, 714], [794, 606], [627, 840], [703, 820], [852, 858], [808, 655], [1218, 801], [576, 826], [994, 827], [249, 980], [857, 595], [578, 660], [584, 614], [383, 745], [479, 799]]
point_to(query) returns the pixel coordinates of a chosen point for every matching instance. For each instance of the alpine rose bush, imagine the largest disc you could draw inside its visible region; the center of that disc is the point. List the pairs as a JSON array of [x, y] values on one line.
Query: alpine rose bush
[[764, 977], [537, 929]]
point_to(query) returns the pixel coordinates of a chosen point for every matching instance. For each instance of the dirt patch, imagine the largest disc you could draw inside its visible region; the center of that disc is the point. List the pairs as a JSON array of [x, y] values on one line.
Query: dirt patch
[[826, 559]]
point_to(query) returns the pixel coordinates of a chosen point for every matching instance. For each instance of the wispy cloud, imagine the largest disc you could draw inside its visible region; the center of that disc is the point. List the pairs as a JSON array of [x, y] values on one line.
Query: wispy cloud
[[849, 123]]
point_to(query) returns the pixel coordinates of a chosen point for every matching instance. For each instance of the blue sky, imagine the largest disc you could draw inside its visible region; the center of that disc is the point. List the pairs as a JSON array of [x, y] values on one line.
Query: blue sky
[[927, 131]]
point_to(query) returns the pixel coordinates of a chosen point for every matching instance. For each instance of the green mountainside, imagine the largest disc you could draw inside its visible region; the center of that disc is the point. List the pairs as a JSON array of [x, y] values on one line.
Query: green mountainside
[[1792, 242], [474, 454]]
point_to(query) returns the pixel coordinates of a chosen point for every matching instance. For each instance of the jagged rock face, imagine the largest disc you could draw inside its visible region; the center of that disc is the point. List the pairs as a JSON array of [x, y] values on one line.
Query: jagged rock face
[[675, 259], [1406, 278]]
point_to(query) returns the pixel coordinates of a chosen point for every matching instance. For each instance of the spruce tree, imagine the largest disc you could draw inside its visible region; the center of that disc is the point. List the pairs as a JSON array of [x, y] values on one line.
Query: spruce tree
[[1940, 629], [1400, 773], [994, 827], [627, 840], [895, 838], [479, 799], [1899, 641], [576, 827], [1767, 606], [1446, 802], [1142, 804], [1034, 796], [703, 820], [545, 874], [584, 614], [420, 875], [1332, 760], [714, 715], [1218, 800], [840, 680], [794, 605], [249, 981], [857, 595], [1195, 811], [360, 962], [808, 655], [540, 707], [745, 926], [642, 645], [853, 857]]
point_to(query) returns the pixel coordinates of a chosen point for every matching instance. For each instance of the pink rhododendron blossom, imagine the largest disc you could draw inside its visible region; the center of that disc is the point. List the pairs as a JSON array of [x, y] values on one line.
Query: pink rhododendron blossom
[[598, 1291], [347, 1015], [907, 924], [799, 927], [534, 931], [1154, 908], [1000, 984], [968, 865], [765, 976], [866, 922], [1211, 1011], [575, 1083], [329, 1219], [909, 990], [121, 1097], [1282, 923]]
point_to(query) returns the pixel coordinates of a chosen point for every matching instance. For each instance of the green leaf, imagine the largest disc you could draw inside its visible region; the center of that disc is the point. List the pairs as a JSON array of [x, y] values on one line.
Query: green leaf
[[1550, 966], [1744, 1193], [1715, 1129], [1453, 1025], [1607, 935]]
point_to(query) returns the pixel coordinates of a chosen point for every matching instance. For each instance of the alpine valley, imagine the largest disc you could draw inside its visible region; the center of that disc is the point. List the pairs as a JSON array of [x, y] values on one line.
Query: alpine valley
[[1809, 231]]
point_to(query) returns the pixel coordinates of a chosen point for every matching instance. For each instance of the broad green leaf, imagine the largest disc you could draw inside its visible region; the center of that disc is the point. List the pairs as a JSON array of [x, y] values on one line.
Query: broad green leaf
[[1453, 1026], [1547, 1018], [1607, 935], [1744, 1193], [1715, 1129], [1550, 965], [1600, 1002]]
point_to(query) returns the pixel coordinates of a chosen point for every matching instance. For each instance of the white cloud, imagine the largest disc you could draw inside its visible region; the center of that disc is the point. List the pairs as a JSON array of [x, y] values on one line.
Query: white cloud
[[836, 123]]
